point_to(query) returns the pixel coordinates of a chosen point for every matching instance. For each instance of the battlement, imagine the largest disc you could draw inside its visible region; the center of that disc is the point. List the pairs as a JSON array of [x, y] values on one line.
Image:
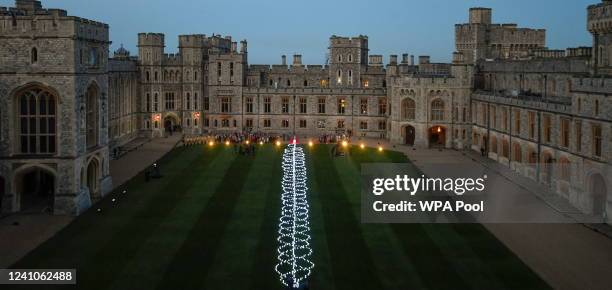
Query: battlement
[[192, 41], [171, 59], [599, 19], [360, 41], [151, 39], [481, 15], [285, 69], [50, 22]]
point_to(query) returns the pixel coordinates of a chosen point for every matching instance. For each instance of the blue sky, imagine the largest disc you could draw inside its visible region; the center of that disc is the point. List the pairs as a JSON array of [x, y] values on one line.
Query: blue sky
[[276, 27]]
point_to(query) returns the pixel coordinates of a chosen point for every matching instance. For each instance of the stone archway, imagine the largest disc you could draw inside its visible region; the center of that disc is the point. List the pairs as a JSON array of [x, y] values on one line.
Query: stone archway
[[599, 192], [437, 136], [35, 189], [409, 135], [171, 123], [93, 179]]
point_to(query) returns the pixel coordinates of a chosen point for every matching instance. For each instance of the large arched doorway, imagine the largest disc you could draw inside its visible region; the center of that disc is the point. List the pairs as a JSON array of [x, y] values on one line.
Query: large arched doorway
[[437, 136], [93, 179], [35, 190], [171, 124], [599, 192], [409, 135]]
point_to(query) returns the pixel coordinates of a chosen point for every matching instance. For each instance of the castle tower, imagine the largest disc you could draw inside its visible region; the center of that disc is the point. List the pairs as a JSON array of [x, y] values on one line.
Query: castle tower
[[28, 5], [481, 15], [598, 25], [348, 58]]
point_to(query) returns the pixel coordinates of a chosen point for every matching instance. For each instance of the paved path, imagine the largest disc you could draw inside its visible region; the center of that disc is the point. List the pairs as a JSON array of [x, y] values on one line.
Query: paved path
[[129, 165], [566, 255], [21, 233]]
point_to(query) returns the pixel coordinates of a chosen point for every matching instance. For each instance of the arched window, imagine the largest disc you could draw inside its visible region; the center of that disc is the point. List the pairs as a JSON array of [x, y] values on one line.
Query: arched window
[[437, 110], [408, 109], [34, 55], [350, 58], [505, 149], [37, 122], [91, 116]]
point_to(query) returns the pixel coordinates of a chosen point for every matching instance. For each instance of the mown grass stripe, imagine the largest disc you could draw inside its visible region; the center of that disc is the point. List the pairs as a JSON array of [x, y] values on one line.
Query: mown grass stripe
[[426, 256], [58, 252], [396, 272], [192, 262], [352, 264], [148, 266], [238, 248], [110, 259]]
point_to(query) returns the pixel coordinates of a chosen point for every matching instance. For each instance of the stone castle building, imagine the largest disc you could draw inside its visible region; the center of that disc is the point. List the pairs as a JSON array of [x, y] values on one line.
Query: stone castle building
[[545, 113]]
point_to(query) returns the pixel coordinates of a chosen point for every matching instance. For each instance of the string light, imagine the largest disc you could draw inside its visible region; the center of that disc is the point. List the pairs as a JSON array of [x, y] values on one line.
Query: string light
[[294, 251]]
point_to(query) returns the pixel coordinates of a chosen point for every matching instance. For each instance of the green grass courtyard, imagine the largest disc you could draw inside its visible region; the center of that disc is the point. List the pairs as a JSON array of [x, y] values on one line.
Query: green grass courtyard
[[211, 223]]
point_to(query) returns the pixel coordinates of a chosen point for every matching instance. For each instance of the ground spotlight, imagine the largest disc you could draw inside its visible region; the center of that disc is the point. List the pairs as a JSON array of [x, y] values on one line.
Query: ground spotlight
[[344, 143], [260, 142], [227, 143], [362, 146], [248, 142], [380, 149], [211, 143], [310, 144], [278, 143]]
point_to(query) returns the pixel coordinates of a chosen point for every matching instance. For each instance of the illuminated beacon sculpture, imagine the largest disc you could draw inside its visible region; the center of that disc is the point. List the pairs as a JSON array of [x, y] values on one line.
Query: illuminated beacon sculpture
[[294, 251]]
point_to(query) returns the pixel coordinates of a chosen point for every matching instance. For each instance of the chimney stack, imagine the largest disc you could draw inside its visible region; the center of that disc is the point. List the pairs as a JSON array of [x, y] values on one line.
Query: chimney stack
[[284, 60], [297, 59]]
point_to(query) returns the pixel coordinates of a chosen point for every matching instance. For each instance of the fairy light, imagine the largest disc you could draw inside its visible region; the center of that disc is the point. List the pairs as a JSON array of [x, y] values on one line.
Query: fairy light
[[294, 251]]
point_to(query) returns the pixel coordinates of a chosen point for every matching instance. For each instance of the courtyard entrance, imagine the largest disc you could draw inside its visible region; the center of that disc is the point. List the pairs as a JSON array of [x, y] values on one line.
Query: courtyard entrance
[[599, 192], [409, 135], [35, 190], [93, 179], [437, 136], [171, 124]]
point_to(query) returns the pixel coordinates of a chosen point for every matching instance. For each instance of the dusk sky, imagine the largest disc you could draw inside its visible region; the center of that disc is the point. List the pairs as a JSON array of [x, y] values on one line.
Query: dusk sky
[[275, 27]]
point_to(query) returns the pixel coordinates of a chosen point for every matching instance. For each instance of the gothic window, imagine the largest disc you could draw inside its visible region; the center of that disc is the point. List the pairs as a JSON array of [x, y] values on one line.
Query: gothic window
[[382, 106], [206, 104], [249, 105], [437, 110], [267, 105], [350, 58], [226, 105], [37, 118], [91, 117], [188, 102], [408, 109], [34, 55], [341, 106], [285, 105], [285, 124], [596, 140], [363, 106], [303, 124], [350, 77], [303, 106], [321, 105], [170, 101], [155, 102]]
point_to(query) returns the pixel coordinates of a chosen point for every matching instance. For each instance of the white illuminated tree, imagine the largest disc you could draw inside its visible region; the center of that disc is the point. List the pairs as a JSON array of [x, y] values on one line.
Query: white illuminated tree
[[294, 251]]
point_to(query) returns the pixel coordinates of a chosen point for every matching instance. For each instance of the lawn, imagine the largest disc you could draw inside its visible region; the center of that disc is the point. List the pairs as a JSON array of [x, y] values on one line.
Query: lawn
[[211, 223]]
